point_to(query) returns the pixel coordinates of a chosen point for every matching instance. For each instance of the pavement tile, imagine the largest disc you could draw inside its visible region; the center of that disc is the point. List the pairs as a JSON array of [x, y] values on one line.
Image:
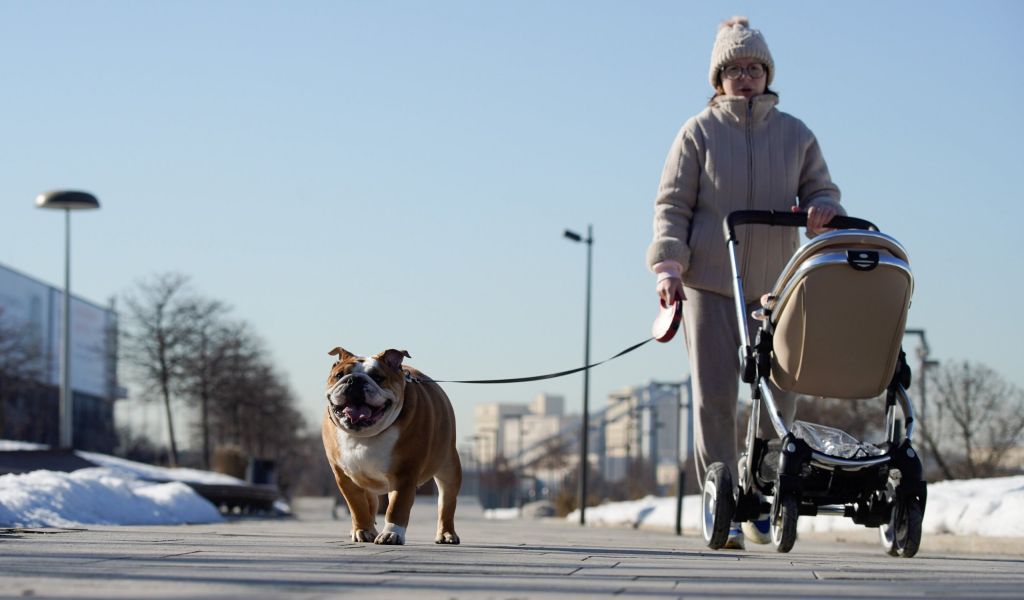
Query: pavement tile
[[311, 558]]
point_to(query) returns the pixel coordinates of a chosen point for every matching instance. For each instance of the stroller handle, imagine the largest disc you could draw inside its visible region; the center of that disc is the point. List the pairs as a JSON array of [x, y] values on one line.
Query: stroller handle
[[785, 219]]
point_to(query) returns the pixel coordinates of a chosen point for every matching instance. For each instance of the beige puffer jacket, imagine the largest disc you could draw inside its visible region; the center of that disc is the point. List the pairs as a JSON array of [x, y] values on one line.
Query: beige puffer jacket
[[736, 155]]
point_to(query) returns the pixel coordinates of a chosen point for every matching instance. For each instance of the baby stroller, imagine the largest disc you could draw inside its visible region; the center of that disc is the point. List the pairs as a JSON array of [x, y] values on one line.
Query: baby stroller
[[832, 328]]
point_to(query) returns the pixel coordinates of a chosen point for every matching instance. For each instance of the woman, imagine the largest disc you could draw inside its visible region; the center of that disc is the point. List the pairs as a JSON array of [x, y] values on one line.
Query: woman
[[738, 153]]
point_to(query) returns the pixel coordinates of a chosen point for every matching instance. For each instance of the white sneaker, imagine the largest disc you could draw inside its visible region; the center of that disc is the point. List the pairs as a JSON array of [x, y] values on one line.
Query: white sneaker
[[758, 531], [735, 541]]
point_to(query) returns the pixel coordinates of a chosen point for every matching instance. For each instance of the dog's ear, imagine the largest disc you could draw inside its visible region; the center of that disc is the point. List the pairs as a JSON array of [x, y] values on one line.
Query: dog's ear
[[393, 358], [341, 353]]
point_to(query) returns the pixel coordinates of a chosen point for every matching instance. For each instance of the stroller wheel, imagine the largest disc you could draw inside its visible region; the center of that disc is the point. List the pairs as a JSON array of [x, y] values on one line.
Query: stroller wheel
[[783, 525], [901, 536], [717, 505]]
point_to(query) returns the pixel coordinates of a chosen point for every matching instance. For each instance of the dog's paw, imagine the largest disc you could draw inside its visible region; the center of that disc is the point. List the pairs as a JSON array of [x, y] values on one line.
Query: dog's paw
[[363, 535], [393, 535], [447, 537], [389, 538]]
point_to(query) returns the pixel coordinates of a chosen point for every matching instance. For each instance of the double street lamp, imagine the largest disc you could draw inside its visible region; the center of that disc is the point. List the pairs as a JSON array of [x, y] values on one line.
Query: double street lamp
[[67, 201], [585, 425]]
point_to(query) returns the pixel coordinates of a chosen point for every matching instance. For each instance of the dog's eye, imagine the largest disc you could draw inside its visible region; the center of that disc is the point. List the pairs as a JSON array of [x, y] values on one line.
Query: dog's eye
[[376, 377], [338, 376]]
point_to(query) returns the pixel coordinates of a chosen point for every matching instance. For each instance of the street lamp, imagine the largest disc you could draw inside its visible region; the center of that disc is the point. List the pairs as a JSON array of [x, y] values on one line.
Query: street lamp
[[585, 425], [680, 469], [520, 470], [67, 201], [923, 351]]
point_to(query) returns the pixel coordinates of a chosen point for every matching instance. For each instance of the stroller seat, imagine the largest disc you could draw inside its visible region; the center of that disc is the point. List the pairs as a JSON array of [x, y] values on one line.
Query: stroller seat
[[838, 319]]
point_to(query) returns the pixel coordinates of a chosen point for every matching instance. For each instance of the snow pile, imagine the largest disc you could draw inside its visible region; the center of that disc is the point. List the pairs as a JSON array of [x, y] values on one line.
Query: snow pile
[[989, 507], [986, 507], [502, 514], [11, 445], [98, 496], [154, 473]]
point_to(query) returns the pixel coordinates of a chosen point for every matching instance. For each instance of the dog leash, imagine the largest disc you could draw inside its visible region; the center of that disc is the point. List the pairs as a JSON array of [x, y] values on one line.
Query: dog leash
[[409, 377]]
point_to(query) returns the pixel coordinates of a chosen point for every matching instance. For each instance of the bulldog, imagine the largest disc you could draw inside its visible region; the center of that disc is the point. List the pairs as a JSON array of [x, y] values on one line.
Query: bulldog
[[388, 429]]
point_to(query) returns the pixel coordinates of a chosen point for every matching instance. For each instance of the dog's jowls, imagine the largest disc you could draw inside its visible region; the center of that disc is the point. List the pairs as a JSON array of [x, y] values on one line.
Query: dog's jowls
[[386, 433]]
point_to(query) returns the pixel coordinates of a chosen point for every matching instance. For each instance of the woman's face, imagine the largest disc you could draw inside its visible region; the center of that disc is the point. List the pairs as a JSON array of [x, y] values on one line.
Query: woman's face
[[745, 85]]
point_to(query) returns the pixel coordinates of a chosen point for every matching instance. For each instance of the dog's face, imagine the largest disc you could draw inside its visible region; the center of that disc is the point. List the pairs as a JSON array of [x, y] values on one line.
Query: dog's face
[[365, 395]]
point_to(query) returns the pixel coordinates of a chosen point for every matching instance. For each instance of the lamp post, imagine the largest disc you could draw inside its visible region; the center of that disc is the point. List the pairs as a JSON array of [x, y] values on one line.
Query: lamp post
[[519, 470], [680, 469], [585, 425], [923, 351], [493, 489], [67, 201]]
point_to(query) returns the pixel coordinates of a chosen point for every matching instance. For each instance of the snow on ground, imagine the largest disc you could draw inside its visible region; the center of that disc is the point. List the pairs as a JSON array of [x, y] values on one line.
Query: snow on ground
[[117, 492], [154, 473], [6, 445], [985, 507], [98, 496], [123, 492]]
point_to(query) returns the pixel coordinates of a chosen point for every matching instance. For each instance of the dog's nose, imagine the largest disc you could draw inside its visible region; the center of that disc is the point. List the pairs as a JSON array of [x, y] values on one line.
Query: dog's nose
[[351, 388]]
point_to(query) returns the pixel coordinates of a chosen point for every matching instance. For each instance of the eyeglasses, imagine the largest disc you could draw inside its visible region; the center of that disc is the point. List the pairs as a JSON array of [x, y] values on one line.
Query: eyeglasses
[[754, 71]]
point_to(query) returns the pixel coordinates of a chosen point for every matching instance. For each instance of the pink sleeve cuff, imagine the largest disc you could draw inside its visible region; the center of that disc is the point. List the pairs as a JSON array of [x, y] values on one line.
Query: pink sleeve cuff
[[668, 269]]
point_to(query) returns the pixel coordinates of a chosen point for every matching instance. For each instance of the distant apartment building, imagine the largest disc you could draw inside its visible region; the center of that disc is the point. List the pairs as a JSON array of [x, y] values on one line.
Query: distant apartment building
[[518, 433], [537, 441], [641, 427], [649, 427], [30, 353]]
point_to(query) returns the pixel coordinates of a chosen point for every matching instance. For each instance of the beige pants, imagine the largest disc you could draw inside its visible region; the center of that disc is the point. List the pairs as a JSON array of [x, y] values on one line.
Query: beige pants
[[712, 342]]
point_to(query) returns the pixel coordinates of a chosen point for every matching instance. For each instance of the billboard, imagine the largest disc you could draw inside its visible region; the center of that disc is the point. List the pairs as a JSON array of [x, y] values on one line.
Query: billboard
[[37, 309]]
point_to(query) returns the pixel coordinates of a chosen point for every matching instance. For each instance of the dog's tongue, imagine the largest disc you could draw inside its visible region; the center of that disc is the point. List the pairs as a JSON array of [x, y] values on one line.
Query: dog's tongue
[[358, 413]]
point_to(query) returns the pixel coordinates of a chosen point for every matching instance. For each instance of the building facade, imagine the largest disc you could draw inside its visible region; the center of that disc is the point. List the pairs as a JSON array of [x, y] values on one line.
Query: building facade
[[647, 427], [31, 313]]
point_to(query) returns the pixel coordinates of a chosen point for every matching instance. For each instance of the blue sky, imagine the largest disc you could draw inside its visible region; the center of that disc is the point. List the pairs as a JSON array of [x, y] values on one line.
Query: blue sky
[[399, 174]]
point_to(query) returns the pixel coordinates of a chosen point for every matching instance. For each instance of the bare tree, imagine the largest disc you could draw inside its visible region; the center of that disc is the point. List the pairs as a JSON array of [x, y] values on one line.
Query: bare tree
[[975, 418], [250, 404], [184, 346], [236, 385], [203, 359], [156, 338]]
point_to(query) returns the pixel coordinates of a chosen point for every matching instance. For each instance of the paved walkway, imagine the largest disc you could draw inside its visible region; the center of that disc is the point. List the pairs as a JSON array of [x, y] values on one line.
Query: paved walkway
[[309, 557]]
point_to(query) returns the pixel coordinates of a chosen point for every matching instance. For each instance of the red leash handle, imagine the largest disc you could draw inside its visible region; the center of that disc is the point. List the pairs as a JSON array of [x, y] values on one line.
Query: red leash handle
[[666, 324]]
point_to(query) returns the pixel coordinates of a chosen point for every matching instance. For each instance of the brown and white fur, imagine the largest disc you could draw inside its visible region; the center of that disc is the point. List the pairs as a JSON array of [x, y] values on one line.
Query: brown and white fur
[[384, 433]]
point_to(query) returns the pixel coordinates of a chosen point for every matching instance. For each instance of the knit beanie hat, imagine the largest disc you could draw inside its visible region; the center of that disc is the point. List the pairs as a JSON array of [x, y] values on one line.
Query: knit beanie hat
[[736, 40]]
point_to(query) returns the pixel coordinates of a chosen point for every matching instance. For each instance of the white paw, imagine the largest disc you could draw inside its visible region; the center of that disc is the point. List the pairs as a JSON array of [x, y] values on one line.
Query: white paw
[[392, 535], [363, 535]]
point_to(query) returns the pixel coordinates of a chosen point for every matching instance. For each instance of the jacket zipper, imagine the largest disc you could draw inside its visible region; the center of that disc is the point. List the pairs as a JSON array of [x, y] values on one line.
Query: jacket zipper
[[750, 185]]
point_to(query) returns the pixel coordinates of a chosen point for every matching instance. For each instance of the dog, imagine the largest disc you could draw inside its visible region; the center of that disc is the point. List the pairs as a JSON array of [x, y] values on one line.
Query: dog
[[389, 429]]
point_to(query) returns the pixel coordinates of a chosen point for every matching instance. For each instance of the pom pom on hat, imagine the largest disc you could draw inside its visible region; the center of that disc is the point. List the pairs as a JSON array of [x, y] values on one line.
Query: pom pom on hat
[[737, 40]]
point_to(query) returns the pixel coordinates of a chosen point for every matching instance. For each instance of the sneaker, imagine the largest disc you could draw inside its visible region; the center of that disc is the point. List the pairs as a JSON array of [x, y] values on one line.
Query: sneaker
[[735, 541], [758, 531]]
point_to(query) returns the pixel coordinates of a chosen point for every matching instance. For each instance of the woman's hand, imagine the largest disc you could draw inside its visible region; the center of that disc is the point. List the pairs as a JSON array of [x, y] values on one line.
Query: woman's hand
[[817, 217], [669, 288]]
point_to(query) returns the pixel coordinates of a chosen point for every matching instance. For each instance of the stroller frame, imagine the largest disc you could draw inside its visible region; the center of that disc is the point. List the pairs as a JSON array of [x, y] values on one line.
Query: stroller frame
[[886, 491]]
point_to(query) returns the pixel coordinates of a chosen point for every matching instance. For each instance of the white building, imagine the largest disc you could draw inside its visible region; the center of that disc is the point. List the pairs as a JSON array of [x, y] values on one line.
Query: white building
[[518, 433], [652, 422]]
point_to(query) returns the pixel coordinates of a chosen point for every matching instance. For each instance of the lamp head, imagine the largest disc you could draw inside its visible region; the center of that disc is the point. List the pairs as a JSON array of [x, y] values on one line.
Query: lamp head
[[67, 199]]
